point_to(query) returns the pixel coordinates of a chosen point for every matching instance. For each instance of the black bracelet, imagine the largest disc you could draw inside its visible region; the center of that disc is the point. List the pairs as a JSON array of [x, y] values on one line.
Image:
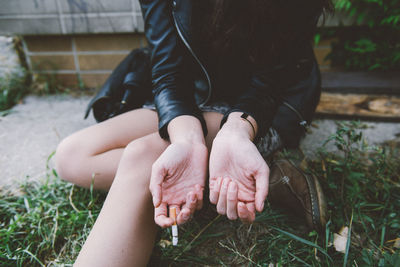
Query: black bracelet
[[244, 116]]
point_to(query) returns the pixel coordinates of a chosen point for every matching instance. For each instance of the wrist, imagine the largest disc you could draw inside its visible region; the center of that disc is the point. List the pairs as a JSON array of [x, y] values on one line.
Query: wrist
[[240, 124], [185, 128]]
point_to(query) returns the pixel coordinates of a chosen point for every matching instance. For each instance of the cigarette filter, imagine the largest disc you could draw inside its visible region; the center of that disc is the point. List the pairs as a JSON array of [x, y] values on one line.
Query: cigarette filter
[[172, 214]]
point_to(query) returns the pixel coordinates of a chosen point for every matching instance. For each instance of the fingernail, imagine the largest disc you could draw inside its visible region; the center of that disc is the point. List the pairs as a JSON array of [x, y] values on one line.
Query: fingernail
[[185, 216], [192, 198], [262, 206]]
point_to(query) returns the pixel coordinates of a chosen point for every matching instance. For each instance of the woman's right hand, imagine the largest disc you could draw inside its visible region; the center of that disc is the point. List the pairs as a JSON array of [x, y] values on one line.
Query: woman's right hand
[[178, 178]]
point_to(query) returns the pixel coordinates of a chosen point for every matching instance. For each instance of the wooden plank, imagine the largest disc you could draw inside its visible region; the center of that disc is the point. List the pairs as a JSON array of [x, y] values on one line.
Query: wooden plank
[[362, 82], [360, 106]]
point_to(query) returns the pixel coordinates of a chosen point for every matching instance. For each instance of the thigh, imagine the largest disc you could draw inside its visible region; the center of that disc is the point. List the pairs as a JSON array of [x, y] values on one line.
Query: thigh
[[116, 132], [119, 131], [213, 121]]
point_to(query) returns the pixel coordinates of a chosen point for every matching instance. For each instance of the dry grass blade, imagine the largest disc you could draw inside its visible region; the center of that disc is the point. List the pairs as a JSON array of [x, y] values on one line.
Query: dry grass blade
[[33, 257], [71, 192], [348, 242], [197, 236], [237, 253], [298, 259]]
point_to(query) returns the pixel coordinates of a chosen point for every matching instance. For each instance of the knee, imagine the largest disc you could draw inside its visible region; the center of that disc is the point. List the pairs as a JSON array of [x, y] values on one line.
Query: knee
[[69, 159], [137, 160], [137, 151]]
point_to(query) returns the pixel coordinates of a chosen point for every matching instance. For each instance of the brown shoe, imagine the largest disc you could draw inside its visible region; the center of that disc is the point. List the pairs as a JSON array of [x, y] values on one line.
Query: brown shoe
[[298, 192]]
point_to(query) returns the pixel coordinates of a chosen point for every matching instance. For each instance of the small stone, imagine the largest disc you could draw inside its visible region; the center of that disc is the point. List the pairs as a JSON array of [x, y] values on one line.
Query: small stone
[[340, 240]]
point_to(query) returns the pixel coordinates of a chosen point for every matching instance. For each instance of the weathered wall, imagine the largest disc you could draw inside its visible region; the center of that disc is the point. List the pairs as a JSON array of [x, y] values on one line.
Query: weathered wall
[[30, 17], [74, 59]]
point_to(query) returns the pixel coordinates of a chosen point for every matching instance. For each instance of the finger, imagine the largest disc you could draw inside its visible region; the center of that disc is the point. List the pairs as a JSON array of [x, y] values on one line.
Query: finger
[[232, 199], [221, 205], [246, 212], [184, 216], [157, 177], [243, 213], [252, 211], [156, 192], [191, 202], [188, 209], [160, 216], [261, 187], [215, 187], [199, 195]]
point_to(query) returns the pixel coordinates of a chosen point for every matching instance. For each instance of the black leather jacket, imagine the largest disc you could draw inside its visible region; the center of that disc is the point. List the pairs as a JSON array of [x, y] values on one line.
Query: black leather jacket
[[168, 31]]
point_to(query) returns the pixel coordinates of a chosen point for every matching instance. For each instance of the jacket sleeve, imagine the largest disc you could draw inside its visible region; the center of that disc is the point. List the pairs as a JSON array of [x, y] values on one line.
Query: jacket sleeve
[[268, 87], [173, 96], [258, 101]]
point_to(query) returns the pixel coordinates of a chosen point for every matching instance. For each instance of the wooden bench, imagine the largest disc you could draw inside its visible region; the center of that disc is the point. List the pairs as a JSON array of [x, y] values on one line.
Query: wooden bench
[[360, 95]]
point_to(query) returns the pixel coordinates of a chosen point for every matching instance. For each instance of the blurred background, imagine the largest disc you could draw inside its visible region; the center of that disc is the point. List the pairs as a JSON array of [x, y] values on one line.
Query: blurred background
[[77, 43]]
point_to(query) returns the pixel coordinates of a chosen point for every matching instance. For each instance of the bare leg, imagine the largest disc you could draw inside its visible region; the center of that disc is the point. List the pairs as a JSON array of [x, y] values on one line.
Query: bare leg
[[124, 232], [96, 150]]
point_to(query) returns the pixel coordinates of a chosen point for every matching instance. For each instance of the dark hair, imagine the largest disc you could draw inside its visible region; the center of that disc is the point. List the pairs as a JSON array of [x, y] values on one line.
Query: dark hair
[[261, 27]]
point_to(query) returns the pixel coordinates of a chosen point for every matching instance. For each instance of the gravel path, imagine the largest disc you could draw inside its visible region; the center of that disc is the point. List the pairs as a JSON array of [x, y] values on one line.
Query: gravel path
[[31, 132], [375, 134]]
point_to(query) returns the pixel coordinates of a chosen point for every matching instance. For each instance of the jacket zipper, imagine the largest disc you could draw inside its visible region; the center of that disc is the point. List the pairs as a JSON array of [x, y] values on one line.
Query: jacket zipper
[[303, 122], [197, 59]]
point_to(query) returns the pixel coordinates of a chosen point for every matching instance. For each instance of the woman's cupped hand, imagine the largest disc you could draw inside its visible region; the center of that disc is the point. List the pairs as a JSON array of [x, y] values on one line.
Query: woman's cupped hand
[[238, 177], [177, 180]]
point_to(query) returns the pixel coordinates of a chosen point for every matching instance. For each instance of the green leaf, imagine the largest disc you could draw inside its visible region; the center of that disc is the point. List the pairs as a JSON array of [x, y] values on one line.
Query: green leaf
[[317, 38], [375, 66]]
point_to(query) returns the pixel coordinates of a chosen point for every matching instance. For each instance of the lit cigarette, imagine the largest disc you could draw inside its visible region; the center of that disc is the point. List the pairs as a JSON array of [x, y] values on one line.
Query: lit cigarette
[[172, 214]]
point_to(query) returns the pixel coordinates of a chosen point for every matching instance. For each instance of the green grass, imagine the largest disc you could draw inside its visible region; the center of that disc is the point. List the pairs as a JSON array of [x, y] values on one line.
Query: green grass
[[46, 223], [12, 90]]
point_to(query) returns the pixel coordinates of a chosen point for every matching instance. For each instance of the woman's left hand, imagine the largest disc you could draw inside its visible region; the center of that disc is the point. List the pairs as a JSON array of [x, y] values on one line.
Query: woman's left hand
[[238, 176]]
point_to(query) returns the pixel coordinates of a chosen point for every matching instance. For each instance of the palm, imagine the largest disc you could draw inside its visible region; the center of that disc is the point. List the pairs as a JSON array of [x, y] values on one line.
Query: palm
[[238, 177], [239, 162], [177, 179], [185, 169]]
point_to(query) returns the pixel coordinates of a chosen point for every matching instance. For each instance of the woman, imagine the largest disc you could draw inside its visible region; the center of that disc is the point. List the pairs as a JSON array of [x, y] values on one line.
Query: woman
[[260, 85]]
